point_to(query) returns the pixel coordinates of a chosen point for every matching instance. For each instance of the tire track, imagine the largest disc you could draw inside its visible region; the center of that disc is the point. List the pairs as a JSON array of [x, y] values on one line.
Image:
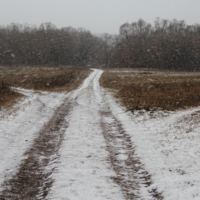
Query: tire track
[[33, 179], [133, 179]]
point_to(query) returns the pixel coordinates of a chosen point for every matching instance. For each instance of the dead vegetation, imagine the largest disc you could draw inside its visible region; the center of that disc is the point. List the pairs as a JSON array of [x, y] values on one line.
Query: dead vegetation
[[38, 78], [153, 90], [7, 96]]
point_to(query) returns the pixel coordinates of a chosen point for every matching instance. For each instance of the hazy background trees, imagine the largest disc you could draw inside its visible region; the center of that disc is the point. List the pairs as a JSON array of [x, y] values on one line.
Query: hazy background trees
[[163, 45], [47, 45]]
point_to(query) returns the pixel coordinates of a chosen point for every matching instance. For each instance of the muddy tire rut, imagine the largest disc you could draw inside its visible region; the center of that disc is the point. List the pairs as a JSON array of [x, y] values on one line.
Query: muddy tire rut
[[130, 173], [33, 179]]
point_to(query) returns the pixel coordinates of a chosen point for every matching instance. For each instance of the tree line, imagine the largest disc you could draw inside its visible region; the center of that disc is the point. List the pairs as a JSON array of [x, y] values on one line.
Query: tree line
[[47, 45], [164, 45]]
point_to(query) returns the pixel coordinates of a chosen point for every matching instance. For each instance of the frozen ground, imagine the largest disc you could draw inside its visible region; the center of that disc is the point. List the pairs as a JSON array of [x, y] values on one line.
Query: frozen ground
[[19, 129], [83, 170], [168, 144], [105, 153]]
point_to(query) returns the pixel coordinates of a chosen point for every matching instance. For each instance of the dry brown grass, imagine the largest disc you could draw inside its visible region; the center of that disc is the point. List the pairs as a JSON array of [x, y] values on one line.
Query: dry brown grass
[[7, 96], [153, 90], [39, 78]]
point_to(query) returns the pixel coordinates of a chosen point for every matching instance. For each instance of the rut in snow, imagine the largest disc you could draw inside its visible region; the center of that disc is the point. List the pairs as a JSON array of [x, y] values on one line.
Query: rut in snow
[[32, 181], [133, 179]]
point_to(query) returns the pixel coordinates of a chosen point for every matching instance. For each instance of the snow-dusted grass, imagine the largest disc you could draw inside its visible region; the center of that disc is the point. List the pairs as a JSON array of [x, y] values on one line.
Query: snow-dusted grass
[[168, 146], [19, 129], [44, 78], [154, 90], [51, 79]]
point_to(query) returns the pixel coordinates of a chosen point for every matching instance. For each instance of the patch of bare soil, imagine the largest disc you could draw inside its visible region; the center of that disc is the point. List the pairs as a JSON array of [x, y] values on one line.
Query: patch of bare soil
[[32, 181], [44, 78], [130, 171]]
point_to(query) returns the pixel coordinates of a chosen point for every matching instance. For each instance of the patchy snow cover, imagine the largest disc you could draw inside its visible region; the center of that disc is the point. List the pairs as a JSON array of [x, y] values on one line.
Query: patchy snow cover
[[168, 144], [83, 171], [19, 129], [169, 147]]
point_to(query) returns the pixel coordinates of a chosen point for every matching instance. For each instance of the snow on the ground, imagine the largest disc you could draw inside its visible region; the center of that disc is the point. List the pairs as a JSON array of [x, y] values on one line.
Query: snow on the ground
[[168, 144], [169, 147], [83, 171], [19, 129]]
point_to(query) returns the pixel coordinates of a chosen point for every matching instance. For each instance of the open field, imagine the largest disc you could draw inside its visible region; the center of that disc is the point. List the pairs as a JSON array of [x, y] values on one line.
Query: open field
[[152, 89], [58, 145], [38, 78]]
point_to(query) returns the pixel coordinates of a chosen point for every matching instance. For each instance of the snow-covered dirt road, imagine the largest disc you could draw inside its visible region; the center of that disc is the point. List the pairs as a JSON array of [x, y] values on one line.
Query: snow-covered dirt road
[[97, 159], [83, 145]]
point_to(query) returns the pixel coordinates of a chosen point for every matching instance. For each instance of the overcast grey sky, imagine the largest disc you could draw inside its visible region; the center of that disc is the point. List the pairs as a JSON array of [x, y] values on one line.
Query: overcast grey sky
[[98, 16]]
